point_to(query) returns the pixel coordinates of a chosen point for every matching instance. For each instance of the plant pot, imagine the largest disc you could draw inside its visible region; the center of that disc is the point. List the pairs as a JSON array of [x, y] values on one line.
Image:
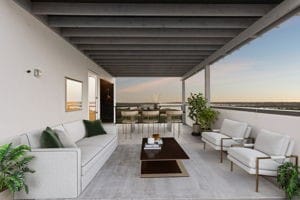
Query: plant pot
[[196, 130], [6, 195]]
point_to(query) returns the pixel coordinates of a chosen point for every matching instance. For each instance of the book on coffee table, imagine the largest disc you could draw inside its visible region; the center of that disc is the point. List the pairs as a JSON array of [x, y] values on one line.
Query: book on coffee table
[[152, 146]]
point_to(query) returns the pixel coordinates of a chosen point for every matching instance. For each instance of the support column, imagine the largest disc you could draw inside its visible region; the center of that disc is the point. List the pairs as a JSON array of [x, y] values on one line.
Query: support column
[[207, 83], [183, 100]]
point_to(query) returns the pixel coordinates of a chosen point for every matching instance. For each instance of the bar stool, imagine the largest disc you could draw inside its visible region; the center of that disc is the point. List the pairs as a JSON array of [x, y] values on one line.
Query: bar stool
[[149, 117], [129, 118], [175, 117]]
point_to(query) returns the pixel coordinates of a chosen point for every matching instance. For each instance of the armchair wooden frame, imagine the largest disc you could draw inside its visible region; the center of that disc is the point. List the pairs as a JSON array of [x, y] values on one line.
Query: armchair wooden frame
[[235, 139], [265, 158]]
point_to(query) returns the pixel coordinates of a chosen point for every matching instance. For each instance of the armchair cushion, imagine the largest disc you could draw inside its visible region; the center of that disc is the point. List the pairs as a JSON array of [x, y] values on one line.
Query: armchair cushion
[[272, 143], [215, 138], [248, 157], [233, 128]]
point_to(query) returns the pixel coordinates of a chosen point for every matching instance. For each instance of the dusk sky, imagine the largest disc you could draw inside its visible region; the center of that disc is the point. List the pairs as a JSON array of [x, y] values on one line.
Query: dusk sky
[[266, 69]]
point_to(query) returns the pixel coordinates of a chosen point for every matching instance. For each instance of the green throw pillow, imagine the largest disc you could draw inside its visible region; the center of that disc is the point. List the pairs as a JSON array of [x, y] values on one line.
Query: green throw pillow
[[50, 139], [93, 128]]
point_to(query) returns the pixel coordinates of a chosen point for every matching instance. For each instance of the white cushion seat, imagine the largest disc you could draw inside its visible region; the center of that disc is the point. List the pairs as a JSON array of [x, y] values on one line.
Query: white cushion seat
[[248, 157], [91, 146], [215, 138], [99, 140]]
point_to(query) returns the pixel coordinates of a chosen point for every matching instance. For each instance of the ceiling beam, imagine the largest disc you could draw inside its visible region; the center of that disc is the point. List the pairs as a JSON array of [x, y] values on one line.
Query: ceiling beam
[[147, 47], [149, 65], [149, 22], [133, 9], [147, 70], [149, 40], [135, 57], [146, 61], [271, 18], [149, 32], [146, 75], [148, 52]]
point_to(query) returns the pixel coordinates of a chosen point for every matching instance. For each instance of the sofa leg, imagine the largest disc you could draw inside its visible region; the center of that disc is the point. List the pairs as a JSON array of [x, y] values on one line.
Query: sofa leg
[[231, 166], [204, 146]]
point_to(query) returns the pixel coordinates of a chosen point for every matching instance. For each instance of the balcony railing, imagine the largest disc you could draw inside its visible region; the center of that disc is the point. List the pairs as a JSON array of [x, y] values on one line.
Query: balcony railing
[[279, 108]]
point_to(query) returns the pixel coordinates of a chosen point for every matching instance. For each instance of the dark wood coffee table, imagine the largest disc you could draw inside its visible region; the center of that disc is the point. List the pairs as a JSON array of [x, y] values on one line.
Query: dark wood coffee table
[[165, 162]]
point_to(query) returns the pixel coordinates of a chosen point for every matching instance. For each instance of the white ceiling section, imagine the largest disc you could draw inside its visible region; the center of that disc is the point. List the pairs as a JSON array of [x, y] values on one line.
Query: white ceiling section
[[159, 38]]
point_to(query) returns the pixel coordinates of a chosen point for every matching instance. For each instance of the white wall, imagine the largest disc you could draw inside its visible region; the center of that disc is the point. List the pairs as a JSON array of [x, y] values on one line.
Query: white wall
[[26, 102], [284, 124]]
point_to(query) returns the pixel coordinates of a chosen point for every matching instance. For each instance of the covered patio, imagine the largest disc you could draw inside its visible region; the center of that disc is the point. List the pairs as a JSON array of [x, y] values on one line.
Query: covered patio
[[150, 38]]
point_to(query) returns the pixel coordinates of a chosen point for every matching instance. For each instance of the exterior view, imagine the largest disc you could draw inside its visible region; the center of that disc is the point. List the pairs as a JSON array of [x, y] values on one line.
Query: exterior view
[[149, 99]]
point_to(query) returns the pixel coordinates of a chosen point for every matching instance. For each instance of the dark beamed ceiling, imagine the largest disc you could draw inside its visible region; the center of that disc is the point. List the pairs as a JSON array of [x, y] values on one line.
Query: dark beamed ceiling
[[149, 38]]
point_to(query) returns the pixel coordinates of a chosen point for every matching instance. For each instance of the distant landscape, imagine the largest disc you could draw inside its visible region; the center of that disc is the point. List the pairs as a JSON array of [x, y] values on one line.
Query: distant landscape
[[261, 105]]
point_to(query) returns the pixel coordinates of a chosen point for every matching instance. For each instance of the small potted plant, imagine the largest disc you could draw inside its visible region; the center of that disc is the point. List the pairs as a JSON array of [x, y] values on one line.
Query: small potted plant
[[289, 180], [200, 113], [13, 167]]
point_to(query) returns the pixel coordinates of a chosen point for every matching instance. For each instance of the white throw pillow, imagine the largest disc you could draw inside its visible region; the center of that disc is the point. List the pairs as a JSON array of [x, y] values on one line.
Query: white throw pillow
[[65, 140], [271, 143], [75, 130]]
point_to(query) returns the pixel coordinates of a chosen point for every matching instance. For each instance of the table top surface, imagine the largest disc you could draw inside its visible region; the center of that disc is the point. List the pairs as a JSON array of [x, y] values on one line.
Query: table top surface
[[170, 150]]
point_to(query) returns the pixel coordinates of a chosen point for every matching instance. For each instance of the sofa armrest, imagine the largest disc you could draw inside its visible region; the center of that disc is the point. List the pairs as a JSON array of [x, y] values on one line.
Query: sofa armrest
[[57, 174]]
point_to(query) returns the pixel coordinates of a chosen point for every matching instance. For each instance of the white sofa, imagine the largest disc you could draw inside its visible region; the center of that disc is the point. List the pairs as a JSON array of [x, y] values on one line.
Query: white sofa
[[66, 172], [231, 132], [270, 150]]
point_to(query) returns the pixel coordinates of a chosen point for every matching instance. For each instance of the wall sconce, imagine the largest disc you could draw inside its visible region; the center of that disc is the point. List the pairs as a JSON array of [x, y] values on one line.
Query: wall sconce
[[37, 73]]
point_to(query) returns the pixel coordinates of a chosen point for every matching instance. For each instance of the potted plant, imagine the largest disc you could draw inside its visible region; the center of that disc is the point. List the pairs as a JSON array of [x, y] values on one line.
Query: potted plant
[[289, 180], [208, 117], [200, 113], [13, 167]]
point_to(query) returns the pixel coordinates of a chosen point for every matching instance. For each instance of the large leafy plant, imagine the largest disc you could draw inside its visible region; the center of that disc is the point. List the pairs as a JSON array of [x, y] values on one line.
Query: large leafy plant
[[197, 104], [200, 112], [288, 179], [13, 167]]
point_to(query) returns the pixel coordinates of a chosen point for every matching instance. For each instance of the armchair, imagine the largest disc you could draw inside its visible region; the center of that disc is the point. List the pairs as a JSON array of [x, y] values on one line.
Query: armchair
[[231, 132], [270, 150]]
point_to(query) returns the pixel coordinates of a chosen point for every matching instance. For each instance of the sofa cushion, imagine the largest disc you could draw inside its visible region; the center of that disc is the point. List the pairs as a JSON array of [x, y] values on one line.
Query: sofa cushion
[[215, 138], [34, 138], [63, 136], [248, 157], [50, 139], [75, 130], [92, 145], [272, 143], [234, 128], [93, 128]]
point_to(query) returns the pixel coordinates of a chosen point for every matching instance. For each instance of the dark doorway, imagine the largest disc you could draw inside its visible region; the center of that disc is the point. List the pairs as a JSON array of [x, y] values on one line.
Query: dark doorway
[[106, 101]]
